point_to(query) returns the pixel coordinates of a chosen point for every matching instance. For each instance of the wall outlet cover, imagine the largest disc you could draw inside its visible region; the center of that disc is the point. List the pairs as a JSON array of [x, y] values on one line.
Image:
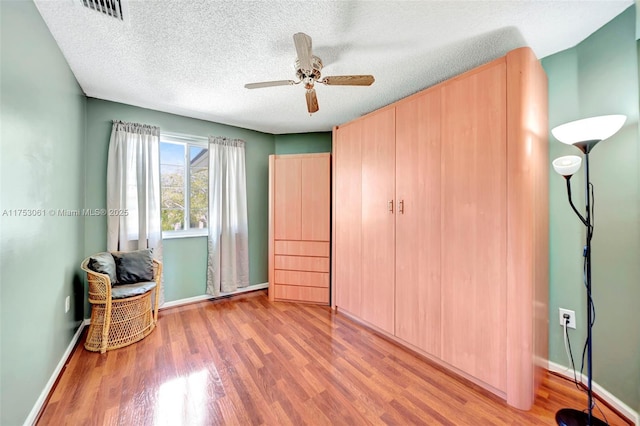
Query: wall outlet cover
[[572, 317]]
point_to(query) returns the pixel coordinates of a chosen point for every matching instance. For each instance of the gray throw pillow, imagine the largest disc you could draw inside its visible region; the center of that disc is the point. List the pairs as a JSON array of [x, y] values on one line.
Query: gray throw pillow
[[134, 266], [103, 263]]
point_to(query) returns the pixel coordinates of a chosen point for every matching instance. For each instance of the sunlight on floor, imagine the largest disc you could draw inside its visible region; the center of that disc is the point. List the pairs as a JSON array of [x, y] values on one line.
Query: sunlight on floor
[[182, 399]]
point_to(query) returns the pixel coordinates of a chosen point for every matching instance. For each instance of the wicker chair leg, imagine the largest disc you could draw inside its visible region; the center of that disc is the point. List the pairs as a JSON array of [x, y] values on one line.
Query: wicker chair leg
[[155, 306], [158, 279], [105, 329]]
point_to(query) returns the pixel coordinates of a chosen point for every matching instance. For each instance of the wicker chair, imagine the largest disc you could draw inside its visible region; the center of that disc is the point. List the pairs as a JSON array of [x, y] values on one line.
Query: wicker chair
[[118, 320]]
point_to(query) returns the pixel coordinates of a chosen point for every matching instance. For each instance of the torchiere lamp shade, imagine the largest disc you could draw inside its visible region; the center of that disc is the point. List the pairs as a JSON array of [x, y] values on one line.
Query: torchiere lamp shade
[[589, 129], [567, 165]]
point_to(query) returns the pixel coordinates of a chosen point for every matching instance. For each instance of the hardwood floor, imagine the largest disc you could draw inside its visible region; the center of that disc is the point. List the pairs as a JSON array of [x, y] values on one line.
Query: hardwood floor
[[248, 361]]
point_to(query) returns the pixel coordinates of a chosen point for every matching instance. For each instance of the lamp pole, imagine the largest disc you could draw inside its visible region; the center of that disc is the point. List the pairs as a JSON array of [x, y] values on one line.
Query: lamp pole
[[568, 416], [584, 134], [587, 197]]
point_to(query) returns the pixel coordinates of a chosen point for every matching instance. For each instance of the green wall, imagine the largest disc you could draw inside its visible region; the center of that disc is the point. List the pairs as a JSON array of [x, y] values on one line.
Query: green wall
[[303, 143], [597, 77], [185, 267], [180, 281], [41, 167]]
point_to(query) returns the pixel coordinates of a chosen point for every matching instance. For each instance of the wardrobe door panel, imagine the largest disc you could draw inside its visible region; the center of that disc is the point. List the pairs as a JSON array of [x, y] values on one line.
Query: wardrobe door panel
[[418, 222], [347, 163], [316, 198], [474, 224], [287, 199], [378, 213]]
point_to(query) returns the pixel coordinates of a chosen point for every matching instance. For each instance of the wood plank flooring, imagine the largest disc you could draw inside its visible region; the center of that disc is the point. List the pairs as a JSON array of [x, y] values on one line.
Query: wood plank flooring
[[246, 361]]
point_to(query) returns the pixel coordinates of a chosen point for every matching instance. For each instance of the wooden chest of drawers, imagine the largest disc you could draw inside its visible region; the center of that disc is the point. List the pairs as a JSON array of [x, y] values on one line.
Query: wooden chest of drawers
[[299, 227]]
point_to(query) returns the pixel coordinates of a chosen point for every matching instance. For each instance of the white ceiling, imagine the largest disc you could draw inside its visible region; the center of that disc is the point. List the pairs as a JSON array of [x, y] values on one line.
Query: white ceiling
[[193, 58]]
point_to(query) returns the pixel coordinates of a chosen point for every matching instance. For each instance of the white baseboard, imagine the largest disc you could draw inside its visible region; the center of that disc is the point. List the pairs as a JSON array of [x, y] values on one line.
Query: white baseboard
[[604, 394], [200, 298], [246, 289], [33, 415], [186, 301]]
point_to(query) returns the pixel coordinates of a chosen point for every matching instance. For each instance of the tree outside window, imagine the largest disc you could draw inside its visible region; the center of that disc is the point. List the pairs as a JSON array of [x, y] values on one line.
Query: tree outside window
[[184, 181]]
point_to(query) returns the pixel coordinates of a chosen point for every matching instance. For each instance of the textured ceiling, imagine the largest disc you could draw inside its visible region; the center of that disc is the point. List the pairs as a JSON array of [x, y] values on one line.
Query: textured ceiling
[[193, 57]]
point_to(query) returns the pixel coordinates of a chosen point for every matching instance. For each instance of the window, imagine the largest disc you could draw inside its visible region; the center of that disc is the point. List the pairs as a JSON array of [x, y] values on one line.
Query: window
[[184, 183]]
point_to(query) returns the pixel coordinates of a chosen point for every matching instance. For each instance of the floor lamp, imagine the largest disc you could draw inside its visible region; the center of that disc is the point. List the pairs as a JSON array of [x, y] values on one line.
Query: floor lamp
[[584, 134]]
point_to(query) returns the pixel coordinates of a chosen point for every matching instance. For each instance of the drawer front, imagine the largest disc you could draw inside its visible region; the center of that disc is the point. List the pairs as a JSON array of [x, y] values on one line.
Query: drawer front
[[302, 248], [300, 278], [301, 263], [302, 294]]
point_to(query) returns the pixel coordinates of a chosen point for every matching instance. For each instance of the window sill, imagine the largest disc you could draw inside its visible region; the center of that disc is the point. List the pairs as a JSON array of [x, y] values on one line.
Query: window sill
[[171, 235]]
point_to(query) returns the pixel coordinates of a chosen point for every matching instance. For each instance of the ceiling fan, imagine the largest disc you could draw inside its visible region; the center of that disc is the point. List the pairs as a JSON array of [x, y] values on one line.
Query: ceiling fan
[[308, 69]]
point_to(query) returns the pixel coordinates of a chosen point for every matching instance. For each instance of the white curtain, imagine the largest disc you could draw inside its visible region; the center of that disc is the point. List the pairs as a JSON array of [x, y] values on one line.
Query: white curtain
[[228, 263], [133, 189]]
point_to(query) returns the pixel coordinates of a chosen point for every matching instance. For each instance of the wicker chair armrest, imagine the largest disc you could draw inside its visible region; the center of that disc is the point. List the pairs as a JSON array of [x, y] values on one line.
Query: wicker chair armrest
[[157, 272], [99, 284]]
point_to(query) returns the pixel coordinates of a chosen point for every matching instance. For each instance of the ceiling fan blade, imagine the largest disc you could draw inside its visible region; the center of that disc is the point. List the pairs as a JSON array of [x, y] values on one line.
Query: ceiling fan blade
[[348, 80], [270, 84], [312, 101], [303, 48]]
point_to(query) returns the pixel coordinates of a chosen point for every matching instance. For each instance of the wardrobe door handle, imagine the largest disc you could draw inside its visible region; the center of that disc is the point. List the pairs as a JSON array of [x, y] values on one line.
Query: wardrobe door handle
[[390, 204], [401, 206]]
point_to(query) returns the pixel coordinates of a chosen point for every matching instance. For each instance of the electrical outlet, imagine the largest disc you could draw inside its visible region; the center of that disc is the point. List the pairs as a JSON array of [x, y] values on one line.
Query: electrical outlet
[[67, 304], [572, 318]]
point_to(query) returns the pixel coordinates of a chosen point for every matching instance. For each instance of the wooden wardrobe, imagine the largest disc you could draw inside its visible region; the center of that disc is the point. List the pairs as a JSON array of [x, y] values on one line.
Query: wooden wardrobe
[[299, 227], [440, 221]]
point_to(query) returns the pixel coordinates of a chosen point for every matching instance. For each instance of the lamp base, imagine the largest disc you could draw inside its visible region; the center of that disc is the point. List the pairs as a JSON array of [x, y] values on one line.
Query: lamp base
[[571, 417]]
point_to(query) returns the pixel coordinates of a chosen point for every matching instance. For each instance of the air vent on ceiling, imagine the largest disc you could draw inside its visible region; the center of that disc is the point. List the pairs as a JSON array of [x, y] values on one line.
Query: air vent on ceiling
[[111, 8]]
